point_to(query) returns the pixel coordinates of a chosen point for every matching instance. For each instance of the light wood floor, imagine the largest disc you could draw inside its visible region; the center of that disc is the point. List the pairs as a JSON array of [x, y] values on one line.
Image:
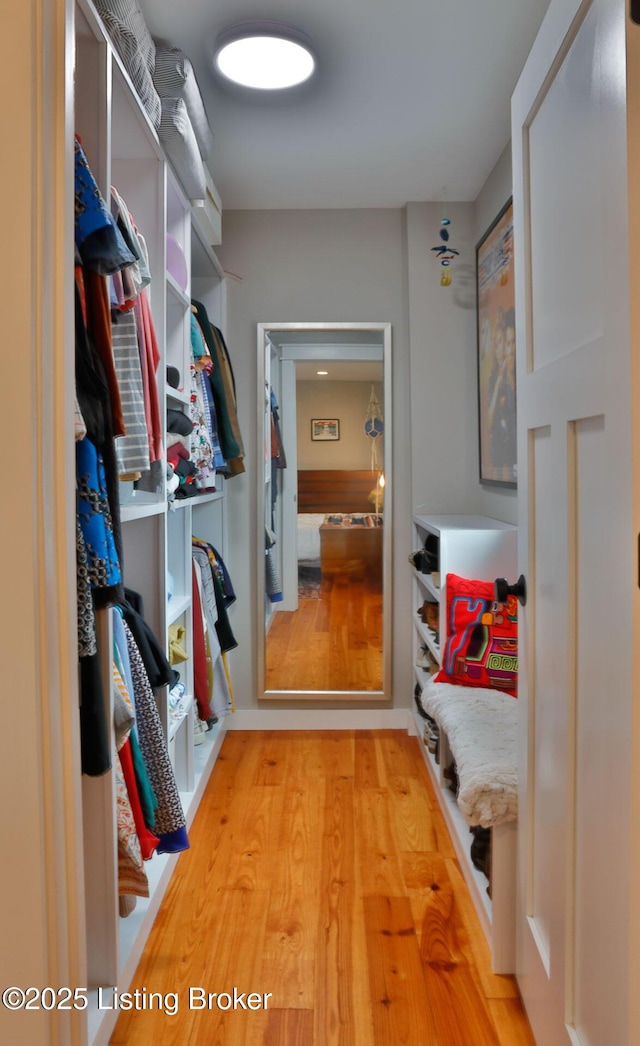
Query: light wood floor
[[321, 871], [333, 642]]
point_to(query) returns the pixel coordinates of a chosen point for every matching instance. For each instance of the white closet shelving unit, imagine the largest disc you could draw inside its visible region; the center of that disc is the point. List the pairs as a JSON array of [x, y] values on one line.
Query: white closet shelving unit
[[123, 150], [481, 548]]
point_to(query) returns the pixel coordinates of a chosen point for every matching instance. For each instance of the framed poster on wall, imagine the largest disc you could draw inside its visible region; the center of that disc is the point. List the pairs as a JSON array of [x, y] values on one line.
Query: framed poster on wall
[[325, 428], [497, 352]]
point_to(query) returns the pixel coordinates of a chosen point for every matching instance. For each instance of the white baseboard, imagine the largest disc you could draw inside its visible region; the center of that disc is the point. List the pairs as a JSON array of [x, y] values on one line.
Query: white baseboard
[[320, 719]]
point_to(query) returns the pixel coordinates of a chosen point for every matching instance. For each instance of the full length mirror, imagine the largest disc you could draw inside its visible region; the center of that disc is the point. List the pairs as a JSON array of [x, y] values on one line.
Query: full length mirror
[[324, 526]]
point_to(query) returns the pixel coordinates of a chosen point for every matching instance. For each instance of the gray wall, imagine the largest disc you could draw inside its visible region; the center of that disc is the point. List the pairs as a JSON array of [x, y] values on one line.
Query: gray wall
[[367, 265], [444, 477], [348, 401], [314, 266]]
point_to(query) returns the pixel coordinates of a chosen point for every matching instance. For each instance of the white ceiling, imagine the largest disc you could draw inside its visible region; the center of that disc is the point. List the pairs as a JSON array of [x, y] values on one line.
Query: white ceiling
[[411, 101], [338, 370]]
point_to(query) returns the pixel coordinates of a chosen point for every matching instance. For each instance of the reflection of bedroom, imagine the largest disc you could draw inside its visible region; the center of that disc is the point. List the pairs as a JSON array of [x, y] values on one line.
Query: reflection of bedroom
[[332, 639]]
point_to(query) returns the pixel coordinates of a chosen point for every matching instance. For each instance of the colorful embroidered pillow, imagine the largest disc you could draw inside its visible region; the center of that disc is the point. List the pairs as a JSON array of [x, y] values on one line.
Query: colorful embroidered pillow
[[482, 637]]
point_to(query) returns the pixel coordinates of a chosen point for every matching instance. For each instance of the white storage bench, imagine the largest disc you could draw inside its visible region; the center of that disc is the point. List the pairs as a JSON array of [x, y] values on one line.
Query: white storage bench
[[478, 730]]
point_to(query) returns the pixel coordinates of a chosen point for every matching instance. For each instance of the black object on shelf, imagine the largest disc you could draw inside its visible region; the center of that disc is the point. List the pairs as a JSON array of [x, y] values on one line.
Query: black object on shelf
[[503, 590]]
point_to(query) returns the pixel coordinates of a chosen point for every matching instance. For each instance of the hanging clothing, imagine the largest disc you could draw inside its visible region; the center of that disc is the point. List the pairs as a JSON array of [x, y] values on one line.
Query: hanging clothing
[[273, 585], [170, 819], [138, 272], [93, 396], [148, 800], [221, 599], [123, 725], [132, 878], [132, 449], [97, 236], [219, 695], [228, 428], [149, 842], [159, 671], [200, 449], [236, 464], [219, 463], [202, 680], [149, 359], [94, 515], [95, 744], [277, 444], [87, 642], [204, 365], [98, 328], [278, 457]]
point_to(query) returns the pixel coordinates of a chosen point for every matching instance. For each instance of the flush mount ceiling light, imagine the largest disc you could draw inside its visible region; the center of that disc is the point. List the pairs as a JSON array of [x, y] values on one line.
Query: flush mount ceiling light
[[267, 56]]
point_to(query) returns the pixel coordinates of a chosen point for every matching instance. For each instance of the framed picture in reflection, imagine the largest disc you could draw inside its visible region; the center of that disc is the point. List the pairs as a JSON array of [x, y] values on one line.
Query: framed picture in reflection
[[325, 429]]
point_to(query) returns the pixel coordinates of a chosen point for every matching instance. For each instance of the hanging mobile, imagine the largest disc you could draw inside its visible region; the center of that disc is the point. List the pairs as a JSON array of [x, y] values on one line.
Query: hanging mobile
[[444, 251]]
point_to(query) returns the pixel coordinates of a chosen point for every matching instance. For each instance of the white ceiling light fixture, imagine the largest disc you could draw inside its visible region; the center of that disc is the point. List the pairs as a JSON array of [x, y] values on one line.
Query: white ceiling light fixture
[[265, 56]]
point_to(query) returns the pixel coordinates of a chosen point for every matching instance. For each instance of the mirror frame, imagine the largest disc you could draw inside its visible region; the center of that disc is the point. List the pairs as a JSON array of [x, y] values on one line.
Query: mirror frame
[[340, 696]]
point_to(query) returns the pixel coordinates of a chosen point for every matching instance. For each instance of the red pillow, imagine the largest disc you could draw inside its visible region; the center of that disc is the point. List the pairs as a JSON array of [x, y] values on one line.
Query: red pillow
[[482, 637]]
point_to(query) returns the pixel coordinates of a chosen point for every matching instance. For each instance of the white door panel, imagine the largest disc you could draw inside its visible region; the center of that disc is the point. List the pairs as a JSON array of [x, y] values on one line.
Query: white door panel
[[577, 538], [593, 757], [565, 185], [546, 753]]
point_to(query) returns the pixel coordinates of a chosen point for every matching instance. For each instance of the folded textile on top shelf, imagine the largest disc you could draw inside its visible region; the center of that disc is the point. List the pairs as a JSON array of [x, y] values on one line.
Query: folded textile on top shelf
[[181, 146], [127, 29], [174, 77]]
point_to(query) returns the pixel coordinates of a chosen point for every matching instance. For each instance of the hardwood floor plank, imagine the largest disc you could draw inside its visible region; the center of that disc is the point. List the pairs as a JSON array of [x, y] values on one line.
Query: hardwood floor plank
[[334, 1016], [398, 753], [458, 1005], [330, 753], [422, 872], [444, 844], [271, 769], [378, 862], [511, 1022], [292, 918], [290, 1028], [303, 880], [248, 859], [423, 775], [366, 760], [474, 943], [401, 1010], [239, 915], [413, 826], [363, 1032]]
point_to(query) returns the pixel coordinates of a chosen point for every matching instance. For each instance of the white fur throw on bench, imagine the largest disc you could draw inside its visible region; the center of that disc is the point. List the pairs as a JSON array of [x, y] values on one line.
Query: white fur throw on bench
[[480, 726]]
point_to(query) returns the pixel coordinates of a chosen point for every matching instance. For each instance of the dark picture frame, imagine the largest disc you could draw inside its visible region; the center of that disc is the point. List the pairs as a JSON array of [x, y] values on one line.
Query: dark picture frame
[[496, 347], [325, 429]]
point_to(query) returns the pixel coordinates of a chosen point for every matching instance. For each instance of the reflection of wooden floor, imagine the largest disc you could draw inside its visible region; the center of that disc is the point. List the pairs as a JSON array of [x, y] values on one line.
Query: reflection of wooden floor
[[333, 642]]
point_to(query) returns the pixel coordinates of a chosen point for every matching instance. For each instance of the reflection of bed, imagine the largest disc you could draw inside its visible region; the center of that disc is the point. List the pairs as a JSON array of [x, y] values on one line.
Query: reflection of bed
[[309, 524], [337, 521]]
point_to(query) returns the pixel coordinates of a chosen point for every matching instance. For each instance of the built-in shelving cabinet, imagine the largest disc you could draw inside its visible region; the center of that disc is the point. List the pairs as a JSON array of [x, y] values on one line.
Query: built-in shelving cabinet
[[481, 548], [123, 150]]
